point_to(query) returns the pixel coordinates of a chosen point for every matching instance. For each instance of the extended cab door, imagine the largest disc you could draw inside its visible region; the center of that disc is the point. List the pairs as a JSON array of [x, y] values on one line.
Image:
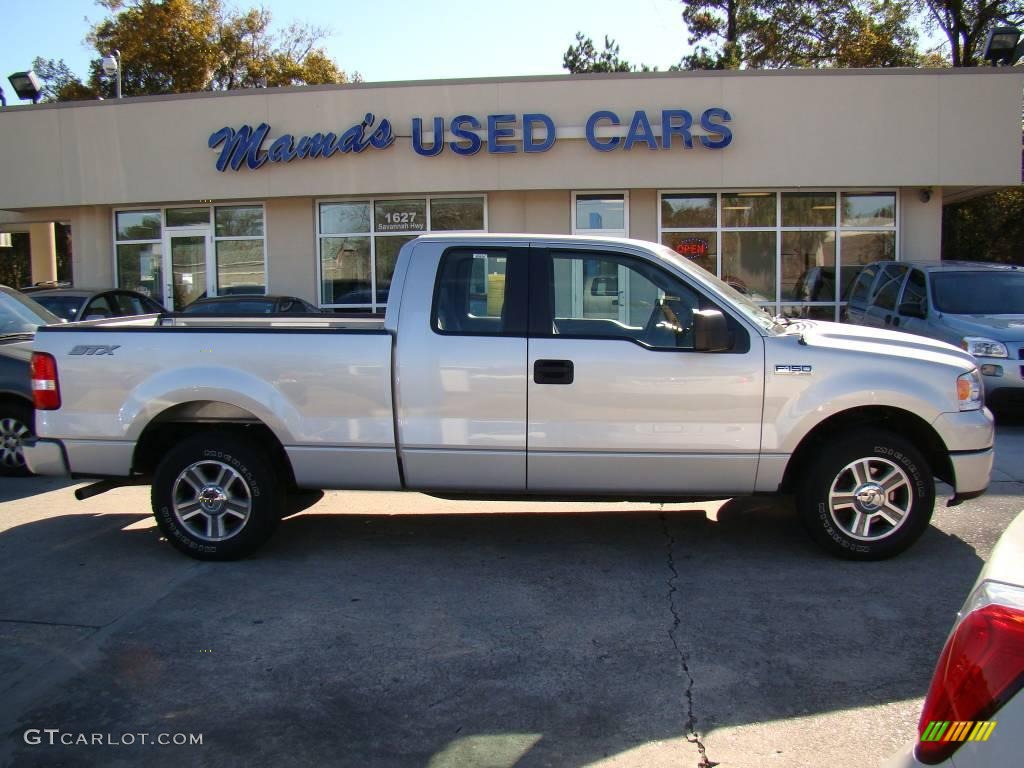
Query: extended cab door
[[460, 368], [622, 403]]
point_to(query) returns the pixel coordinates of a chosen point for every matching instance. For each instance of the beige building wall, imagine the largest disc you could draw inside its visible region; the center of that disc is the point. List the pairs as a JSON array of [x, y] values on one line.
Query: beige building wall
[[292, 247], [806, 128], [920, 226]]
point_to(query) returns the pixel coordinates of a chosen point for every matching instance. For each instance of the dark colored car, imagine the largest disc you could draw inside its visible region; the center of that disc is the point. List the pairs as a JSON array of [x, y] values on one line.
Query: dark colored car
[[256, 304], [73, 304], [19, 318]]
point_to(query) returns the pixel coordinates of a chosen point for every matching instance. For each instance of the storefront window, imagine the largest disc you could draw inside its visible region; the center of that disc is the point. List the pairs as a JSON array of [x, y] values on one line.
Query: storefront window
[[179, 247], [603, 213], [874, 209], [748, 209], [188, 217], [748, 263], [809, 266], [688, 211], [699, 247], [140, 268], [138, 225], [360, 241], [794, 252], [808, 209]]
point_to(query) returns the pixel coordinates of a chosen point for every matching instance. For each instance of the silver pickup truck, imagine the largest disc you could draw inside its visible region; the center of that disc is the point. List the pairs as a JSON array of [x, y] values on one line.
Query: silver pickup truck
[[517, 366]]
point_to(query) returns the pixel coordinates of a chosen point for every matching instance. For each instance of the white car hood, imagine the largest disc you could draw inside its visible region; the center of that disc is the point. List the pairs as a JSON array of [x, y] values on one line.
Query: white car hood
[[858, 338]]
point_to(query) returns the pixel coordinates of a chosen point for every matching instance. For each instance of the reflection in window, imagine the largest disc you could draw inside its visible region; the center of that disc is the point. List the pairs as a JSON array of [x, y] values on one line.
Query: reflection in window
[[471, 292], [808, 209], [748, 209], [748, 263], [138, 225], [688, 211], [238, 221], [869, 209], [140, 268], [601, 212], [345, 270], [374, 232], [240, 266], [809, 266]]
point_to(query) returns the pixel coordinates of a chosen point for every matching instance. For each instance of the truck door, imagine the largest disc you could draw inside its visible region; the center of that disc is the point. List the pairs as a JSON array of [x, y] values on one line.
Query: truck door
[[460, 369], [624, 403]]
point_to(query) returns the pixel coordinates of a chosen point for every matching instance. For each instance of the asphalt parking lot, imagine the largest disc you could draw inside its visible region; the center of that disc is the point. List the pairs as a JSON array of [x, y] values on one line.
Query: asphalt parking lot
[[473, 634]]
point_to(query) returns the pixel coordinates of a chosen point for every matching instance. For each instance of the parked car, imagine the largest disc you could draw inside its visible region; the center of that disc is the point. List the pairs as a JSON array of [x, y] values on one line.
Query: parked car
[[19, 318], [974, 709], [253, 304], [705, 396], [74, 304], [977, 306]]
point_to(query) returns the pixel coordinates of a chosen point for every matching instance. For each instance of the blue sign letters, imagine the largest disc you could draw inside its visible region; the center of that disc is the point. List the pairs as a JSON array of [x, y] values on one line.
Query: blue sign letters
[[245, 145]]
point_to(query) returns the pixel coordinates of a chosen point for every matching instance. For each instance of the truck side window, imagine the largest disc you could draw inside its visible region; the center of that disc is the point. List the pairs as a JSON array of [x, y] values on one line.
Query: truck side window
[[473, 294], [608, 296], [916, 291], [889, 286], [859, 292]]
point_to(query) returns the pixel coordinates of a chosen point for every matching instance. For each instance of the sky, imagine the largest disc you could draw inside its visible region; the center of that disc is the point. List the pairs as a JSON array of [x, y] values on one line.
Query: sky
[[396, 39]]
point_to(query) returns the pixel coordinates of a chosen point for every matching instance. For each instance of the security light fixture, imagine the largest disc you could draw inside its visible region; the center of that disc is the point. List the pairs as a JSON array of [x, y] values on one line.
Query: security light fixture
[[27, 86], [111, 65], [1001, 46]]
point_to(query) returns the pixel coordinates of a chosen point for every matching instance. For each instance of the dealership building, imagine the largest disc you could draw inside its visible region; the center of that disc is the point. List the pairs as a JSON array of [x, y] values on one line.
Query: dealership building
[[782, 182]]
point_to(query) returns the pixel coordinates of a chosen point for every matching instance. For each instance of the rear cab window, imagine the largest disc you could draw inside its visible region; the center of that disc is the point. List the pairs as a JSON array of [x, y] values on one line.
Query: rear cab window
[[481, 292]]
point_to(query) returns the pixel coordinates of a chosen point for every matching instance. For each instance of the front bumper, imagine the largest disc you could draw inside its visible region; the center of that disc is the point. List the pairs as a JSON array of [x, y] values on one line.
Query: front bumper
[[1006, 388], [969, 437], [46, 457]]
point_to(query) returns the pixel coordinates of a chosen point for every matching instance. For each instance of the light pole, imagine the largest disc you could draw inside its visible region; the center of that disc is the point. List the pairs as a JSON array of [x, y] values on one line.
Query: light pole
[[112, 66], [1003, 46]]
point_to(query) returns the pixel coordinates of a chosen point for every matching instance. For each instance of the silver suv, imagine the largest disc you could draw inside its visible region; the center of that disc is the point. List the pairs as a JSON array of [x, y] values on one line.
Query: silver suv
[[977, 306]]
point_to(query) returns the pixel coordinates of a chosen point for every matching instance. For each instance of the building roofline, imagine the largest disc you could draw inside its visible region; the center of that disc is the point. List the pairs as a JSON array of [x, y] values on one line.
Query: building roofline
[[523, 79]]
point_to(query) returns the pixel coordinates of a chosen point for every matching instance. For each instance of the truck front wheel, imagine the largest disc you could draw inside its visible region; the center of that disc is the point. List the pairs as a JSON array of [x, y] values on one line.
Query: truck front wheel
[[868, 496], [216, 497]]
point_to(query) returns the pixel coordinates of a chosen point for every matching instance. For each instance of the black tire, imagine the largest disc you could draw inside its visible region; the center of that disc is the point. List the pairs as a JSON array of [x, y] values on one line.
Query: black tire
[[867, 496], [216, 497], [17, 423]]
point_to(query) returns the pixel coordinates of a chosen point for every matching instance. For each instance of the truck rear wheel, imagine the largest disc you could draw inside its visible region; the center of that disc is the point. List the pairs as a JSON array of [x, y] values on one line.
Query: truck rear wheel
[[868, 496], [216, 497]]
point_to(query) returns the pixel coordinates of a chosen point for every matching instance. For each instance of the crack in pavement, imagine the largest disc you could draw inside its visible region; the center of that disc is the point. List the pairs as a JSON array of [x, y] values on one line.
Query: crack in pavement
[[692, 735]]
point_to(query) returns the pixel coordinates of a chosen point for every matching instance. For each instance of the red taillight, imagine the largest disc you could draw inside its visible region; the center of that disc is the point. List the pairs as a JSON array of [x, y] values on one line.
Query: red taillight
[[980, 669], [45, 387]]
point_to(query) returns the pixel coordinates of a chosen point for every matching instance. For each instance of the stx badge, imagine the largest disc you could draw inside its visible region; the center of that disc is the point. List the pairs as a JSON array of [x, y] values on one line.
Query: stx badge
[[94, 349]]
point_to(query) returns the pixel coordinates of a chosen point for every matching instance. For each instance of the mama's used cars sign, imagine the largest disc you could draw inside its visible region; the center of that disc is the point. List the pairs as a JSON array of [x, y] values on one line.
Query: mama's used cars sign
[[604, 130]]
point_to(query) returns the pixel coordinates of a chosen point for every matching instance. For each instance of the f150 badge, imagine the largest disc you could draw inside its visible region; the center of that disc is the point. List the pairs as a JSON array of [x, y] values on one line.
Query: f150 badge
[[94, 349], [793, 370]]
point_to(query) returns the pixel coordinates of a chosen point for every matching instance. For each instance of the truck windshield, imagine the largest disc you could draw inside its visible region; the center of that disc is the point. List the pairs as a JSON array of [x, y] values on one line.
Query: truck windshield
[[743, 303], [979, 293]]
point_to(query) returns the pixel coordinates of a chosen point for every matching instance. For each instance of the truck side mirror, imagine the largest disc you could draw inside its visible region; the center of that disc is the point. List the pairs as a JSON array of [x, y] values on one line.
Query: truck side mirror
[[710, 331], [913, 309]]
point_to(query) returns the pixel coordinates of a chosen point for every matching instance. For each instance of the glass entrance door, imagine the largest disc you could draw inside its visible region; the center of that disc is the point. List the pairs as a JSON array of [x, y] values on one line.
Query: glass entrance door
[[189, 267]]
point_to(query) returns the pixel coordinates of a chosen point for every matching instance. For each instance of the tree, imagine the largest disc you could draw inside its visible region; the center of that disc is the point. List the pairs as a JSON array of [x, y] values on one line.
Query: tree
[[966, 24], [730, 34], [59, 82], [584, 57], [183, 46]]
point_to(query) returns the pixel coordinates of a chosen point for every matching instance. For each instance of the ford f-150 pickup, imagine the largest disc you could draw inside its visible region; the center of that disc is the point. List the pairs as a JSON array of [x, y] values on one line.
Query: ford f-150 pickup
[[517, 366]]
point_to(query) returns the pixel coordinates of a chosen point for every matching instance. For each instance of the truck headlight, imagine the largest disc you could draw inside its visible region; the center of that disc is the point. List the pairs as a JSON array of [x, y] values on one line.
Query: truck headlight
[[968, 390], [979, 346]]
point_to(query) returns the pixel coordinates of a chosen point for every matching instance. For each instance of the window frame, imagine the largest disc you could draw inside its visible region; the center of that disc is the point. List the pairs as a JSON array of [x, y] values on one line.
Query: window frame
[[624, 232], [542, 308], [211, 226], [517, 288], [777, 304], [372, 235]]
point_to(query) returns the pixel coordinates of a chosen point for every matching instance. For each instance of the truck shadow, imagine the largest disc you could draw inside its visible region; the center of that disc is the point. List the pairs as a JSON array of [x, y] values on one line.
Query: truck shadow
[[442, 640], [14, 488]]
